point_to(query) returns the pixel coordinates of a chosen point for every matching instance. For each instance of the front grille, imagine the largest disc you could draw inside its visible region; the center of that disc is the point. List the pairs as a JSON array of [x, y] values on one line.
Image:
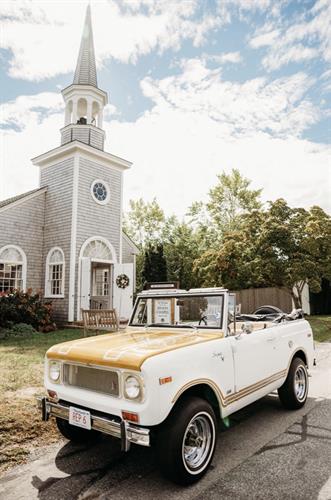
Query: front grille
[[93, 379]]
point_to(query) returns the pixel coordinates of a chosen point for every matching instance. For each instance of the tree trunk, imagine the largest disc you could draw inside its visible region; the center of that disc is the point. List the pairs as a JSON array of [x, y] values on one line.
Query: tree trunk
[[296, 296]]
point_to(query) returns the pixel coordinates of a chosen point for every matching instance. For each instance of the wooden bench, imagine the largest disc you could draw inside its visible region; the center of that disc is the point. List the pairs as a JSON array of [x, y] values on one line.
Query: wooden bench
[[100, 319]]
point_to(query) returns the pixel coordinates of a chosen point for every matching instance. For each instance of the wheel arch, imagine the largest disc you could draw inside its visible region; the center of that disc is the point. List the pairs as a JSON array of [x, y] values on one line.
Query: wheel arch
[[203, 389], [300, 353]]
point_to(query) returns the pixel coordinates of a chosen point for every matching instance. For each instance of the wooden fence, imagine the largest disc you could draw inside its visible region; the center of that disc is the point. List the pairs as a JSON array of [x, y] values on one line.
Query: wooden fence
[[252, 298]]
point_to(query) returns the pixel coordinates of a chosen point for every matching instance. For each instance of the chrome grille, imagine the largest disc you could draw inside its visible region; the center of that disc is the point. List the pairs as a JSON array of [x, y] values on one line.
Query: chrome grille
[[93, 379]]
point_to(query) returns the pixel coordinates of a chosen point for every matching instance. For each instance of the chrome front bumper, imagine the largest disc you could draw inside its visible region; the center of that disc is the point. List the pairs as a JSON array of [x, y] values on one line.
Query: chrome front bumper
[[123, 430]]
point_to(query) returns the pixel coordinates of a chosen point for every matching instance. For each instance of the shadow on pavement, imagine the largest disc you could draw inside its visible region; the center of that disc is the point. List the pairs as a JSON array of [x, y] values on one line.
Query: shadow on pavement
[[102, 467]]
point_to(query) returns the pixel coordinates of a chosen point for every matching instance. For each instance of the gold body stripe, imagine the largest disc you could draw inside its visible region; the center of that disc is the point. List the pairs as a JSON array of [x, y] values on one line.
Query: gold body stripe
[[246, 391], [226, 400]]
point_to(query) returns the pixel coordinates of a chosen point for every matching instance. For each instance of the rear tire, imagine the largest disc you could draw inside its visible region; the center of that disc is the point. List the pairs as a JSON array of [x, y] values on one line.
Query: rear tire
[[293, 393], [76, 434], [186, 441]]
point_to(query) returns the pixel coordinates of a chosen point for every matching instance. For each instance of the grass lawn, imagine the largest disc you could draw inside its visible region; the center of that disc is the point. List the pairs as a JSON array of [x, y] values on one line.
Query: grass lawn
[[21, 379], [321, 326]]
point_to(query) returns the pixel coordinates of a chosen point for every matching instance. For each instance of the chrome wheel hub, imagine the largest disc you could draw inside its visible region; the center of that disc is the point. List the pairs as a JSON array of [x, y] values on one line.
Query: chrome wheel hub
[[300, 383], [197, 442]]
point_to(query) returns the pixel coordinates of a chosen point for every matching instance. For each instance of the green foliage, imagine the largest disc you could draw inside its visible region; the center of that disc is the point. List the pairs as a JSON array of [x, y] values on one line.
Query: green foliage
[[281, 247], [17, 330], [155, 265], [25, 307], [181, 248], [230, 198], [144, 222], [232, 241]]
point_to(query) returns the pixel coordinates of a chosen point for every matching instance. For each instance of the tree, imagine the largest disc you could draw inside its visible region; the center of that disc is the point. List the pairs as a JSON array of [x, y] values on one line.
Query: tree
[[228, 201], [295, 248], [181, 248], [231, 198], [155, 265], [144, 222], [281, 247]]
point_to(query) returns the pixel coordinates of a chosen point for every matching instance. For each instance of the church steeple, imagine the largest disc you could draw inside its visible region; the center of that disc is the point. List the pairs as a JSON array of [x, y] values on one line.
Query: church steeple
[[86, 73], [84, 101]]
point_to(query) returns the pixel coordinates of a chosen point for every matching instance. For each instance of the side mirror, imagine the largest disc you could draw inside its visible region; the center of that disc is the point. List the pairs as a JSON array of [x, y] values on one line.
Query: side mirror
[[247, 327]]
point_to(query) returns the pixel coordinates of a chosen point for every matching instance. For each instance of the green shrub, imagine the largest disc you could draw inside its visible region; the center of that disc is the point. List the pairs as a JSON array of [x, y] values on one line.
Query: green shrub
[[25, 307], [18, 330], [22, 328]]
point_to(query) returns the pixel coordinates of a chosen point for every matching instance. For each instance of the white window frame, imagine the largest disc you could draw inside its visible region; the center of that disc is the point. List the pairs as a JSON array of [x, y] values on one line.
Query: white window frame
[[23, 263], [106, 200], [48, 287]]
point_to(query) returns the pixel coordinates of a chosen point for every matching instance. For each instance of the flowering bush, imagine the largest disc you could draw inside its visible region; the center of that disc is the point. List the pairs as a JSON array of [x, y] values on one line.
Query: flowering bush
[[26, 307]]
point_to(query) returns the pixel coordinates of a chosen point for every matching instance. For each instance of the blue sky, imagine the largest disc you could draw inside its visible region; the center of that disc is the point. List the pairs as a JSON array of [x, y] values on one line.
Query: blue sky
[[195, 87]]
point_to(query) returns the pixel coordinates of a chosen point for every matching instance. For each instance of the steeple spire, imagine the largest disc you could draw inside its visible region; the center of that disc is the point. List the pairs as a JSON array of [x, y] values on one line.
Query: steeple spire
[[86, 73]]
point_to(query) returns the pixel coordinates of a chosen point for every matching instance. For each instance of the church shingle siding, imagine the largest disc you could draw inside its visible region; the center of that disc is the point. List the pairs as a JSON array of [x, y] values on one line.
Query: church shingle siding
[[64, 216]]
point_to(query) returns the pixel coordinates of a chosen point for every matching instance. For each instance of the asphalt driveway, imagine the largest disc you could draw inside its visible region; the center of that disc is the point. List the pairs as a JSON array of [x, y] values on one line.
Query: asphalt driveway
[[267, 453]]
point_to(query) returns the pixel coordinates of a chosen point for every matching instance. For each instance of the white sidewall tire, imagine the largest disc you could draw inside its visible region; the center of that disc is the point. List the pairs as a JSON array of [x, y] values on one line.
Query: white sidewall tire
[[211, 449]]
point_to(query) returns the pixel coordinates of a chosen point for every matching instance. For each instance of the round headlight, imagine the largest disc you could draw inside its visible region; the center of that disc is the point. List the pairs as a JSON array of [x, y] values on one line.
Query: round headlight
[[54, 371], [132, 387]]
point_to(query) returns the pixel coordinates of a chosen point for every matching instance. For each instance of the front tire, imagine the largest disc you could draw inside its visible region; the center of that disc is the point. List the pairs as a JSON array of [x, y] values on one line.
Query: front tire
[[294, 391], [76, 434], [187, 440]]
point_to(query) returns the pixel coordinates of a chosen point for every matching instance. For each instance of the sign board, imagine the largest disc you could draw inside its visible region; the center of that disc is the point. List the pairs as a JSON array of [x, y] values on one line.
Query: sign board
[[162, 311]]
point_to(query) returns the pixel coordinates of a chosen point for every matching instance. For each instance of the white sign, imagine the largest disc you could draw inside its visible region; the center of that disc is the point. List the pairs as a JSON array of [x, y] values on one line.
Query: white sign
[[162, 312]]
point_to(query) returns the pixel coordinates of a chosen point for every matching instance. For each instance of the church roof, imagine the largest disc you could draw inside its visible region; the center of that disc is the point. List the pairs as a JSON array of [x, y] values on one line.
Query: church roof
[[8, 201], [86, 73]]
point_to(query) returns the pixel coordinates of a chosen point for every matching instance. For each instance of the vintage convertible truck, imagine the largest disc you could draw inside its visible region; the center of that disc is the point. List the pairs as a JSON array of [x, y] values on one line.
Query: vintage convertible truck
[[185, 361]]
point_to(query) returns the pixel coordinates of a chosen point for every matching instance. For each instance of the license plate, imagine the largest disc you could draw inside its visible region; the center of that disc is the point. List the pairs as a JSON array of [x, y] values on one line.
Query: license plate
[[80, 418]]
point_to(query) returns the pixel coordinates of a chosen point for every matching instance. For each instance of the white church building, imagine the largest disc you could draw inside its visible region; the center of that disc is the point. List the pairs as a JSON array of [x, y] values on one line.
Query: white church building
[[65, 238]]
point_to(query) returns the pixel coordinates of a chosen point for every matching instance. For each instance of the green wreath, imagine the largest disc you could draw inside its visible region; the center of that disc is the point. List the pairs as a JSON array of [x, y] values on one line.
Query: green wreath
[[122, 281]]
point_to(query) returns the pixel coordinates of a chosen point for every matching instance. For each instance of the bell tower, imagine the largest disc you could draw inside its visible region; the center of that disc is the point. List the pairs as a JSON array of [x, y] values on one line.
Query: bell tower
[[84, 101], [83, 204]]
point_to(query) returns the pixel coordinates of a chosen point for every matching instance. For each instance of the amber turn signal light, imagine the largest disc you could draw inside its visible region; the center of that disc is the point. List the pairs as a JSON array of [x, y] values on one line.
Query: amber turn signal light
[[52, 394], [133, 417], [165, 380]]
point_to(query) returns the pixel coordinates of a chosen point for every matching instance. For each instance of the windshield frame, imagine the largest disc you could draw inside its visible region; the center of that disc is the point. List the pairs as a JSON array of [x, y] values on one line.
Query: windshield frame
[[178, 296]]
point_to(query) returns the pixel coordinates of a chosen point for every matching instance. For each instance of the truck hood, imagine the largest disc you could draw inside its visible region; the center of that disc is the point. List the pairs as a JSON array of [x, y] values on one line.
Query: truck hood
[[127, 349]]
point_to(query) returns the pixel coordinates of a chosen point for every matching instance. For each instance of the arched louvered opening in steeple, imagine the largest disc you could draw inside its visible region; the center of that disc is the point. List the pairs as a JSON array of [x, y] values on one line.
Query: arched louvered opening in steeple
[[68, 113], [82, 111]]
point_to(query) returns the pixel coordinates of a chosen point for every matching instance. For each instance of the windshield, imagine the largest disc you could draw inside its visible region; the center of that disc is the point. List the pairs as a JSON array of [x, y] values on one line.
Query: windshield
[[200, 311]]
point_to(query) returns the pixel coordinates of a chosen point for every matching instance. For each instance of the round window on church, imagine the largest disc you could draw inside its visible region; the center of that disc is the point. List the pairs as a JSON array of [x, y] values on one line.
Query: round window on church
[[100, 191]]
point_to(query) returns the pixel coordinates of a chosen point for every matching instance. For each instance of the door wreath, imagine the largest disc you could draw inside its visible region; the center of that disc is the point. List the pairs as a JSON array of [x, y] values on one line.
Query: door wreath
[[122, 281]]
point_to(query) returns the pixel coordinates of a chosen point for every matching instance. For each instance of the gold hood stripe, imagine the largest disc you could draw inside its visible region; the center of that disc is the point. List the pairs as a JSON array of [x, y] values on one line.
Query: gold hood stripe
[[127, 350]]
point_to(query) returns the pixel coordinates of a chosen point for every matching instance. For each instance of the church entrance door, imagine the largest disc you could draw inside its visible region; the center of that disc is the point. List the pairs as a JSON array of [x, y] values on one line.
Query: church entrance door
[[95, 275], [101, 293]]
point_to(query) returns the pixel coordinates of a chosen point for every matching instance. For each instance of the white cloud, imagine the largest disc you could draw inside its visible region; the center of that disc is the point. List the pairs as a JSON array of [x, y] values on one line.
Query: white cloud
[[27, 110], [278, 106], [198, 126], [177, 155], [122, 30], [307, 38], [296, 53], [226, 57]]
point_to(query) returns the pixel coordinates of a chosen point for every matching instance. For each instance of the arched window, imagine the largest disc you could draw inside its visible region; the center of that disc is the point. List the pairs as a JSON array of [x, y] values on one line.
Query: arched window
[[54, 286], [12, 268], [98, 249]]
